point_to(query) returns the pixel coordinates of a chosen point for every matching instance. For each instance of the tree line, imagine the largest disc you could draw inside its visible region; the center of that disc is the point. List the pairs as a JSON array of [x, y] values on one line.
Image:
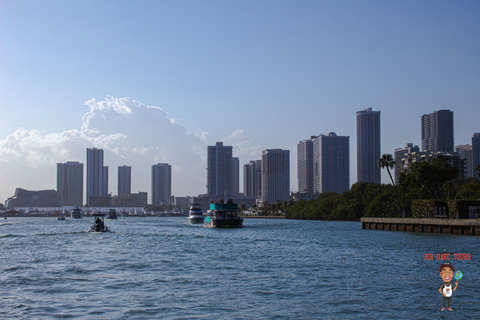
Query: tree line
[[434, 180]]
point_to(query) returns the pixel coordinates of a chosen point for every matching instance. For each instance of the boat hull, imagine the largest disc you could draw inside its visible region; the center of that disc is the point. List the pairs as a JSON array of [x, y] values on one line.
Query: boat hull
[[224, 223], [196, 220]]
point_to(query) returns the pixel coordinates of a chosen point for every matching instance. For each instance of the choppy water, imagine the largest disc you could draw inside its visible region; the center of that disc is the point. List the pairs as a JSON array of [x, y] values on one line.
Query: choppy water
[[163, 268]]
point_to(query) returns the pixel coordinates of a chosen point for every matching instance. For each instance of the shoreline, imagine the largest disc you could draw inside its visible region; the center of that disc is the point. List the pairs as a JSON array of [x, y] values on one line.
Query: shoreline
[[261, 217]]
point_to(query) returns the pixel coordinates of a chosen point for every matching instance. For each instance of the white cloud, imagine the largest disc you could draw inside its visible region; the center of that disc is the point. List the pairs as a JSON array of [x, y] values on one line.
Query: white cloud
[[130, 133]]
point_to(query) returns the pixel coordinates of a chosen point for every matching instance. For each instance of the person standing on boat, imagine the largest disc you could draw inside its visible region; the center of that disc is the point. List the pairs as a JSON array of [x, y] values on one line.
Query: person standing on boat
[[446, 289]]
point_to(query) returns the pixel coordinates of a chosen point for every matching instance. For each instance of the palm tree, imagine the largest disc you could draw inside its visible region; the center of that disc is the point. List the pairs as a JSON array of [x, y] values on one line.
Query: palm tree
[[386, 161]]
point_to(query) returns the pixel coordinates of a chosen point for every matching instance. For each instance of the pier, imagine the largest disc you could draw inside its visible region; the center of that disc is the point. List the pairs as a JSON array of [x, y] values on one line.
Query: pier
[[445, 226]]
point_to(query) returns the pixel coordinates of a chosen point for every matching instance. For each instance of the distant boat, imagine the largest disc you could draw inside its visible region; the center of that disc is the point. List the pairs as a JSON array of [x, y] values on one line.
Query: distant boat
[[61, 216], [99, 223], [195, 215], [223, 215], [112, 214], [76, 214]]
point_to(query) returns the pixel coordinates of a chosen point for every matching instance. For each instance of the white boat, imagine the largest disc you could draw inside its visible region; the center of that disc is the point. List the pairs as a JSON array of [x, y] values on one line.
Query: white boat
[[76, 213], [195, 215]]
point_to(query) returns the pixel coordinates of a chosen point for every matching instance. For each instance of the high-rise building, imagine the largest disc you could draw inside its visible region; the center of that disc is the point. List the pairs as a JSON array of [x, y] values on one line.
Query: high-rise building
[[368, 146], [331, 163], [453, 159], [476, 152], [219, 171], [399, 155], [252, 179], [305, 166], [161, 183], [124, 181], [437, 131], [105, 180], [70, 183], [97, 174], [466, 155], [236, 176], [275, 175]]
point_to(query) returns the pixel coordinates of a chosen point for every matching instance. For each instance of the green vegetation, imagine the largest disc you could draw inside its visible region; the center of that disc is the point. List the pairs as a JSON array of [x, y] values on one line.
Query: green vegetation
[[435, 180]]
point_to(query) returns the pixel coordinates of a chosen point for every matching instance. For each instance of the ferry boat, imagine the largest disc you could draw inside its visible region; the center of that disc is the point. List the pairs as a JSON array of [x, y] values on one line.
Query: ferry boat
[[99, 223], [195, 215], [112, 214], [223, 215], [76, 214]]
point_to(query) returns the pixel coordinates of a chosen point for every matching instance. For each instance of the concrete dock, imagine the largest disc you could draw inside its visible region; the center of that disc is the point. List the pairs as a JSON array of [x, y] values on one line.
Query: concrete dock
[[446, 226]]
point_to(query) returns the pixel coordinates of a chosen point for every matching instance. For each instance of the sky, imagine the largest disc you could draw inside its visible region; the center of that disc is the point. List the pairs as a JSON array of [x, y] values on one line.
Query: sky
[[158, 81]]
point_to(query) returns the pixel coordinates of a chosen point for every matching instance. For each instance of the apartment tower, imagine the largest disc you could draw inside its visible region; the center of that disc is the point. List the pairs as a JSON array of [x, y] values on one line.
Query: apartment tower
[[70, 183], [252, 179], [368, 145], [275, 175], [399, 155], [437, 131], [305, 166], [220, 171], [236, 176], [124, 181], [97, 174], [161, 183], [331, 163], [476, 152], [466, 156]]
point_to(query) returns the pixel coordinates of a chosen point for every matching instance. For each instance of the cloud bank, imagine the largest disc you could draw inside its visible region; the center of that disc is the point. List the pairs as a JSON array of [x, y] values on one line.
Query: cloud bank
[[130, 133]]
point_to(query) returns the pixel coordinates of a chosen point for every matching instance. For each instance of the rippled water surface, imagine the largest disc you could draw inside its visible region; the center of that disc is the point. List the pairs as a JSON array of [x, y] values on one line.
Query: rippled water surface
[[163, 268]]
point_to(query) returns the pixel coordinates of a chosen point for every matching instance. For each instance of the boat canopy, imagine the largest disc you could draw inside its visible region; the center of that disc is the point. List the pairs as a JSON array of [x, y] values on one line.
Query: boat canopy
[[223, 206]]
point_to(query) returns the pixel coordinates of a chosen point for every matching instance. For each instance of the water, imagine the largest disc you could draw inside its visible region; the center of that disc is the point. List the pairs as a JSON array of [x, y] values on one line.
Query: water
[[163, 268]]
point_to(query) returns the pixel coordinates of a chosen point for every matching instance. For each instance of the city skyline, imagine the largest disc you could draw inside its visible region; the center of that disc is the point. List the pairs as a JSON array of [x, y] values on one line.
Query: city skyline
[[97, 156], [158, 82]]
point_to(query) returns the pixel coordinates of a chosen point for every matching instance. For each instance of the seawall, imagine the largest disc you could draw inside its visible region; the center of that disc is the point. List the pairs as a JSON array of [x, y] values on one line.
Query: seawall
[[446, 226]]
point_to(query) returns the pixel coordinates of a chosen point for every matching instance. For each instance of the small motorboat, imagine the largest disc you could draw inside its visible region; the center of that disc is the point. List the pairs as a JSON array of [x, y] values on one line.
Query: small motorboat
[[112, 214], [99, 223], [61, 216]]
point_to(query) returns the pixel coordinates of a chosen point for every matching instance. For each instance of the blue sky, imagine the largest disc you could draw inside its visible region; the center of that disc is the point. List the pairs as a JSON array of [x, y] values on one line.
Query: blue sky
[[255, 74]]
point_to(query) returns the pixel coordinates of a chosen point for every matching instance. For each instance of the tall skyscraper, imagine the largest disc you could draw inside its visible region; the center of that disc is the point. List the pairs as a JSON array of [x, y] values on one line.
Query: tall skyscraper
[[105, 180], [399, 154], [368, 146], [236, 176], [70, 183], [331, 163], [252, 179], [124, 181], [476, 151], [305, 166], [161, 183], [219, 171], [97, 174], [437, 131], [275, 175]]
